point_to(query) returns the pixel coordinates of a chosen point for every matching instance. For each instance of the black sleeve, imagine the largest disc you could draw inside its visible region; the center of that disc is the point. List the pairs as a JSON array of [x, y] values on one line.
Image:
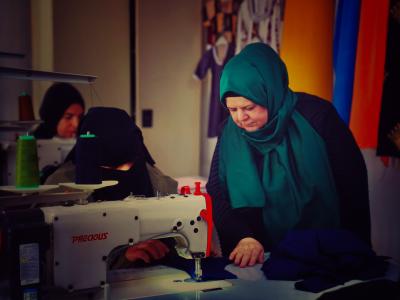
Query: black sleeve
[[230, 223], [349, 172]]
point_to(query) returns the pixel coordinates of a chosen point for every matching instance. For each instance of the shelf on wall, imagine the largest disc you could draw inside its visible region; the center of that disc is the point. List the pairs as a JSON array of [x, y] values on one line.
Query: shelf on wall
[[44, 75], [11, 54], [19, 126]]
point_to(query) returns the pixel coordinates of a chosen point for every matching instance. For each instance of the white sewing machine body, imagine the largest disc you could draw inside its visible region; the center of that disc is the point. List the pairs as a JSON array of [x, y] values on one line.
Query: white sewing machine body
[[51, 152], [84, 236]]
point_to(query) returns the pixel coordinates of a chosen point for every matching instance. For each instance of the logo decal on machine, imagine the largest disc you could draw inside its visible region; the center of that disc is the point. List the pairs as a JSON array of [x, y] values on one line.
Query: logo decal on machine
[[89, 237]]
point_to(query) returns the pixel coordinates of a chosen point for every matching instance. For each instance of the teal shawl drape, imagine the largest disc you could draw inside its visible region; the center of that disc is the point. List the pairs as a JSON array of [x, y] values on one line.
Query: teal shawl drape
[[295, 187]]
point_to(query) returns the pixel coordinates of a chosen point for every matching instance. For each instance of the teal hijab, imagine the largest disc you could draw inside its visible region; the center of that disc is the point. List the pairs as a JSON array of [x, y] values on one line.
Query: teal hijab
[[295, 186]]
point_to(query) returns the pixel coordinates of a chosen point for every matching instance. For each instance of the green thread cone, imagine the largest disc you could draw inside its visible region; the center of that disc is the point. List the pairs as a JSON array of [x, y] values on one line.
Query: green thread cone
[[27, 167]]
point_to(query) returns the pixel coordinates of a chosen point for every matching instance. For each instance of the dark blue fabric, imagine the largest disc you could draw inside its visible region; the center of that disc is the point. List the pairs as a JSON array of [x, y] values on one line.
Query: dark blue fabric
[[370, 290], [323, 258], [213, 268]]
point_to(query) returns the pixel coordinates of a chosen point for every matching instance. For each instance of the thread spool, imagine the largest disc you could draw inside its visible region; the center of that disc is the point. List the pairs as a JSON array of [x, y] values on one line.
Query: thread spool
[[25, 107], [27, 166], [87, 159]]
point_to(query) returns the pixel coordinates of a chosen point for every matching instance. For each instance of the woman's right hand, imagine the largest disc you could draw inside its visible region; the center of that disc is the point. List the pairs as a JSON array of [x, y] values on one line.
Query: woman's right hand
[[147, 251], [247, 253]]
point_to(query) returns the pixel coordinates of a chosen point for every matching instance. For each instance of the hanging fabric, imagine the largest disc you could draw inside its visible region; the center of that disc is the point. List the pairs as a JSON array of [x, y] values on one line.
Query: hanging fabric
[[219, 17], [369, 73], [344, 55], [259, 21], [307, 43], [214, 60], [389, 121]]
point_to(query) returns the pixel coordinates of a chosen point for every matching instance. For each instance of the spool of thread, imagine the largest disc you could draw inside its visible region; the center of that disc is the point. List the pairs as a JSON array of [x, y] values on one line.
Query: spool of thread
[[87, 160], [27, 166], [25, 107]]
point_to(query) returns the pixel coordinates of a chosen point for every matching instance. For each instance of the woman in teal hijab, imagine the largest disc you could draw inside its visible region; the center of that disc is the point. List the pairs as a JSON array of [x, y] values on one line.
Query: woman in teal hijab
[[284, 160]]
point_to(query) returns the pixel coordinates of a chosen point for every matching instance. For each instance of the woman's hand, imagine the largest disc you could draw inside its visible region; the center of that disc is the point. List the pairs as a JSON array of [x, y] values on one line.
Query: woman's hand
[[247, 252], [147, 251]]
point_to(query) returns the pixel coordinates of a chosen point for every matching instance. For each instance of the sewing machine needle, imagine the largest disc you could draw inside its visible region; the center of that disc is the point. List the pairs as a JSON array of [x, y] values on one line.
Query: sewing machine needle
[[198, 273]]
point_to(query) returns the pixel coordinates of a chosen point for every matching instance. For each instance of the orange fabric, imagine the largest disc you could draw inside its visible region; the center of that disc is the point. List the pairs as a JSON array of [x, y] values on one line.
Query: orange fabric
[[307, 45], [220, 22], [369, 72]]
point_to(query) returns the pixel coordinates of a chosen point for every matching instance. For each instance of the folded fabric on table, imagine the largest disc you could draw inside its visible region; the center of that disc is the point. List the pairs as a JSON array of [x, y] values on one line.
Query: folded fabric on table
[[323, 258], [370, 290]]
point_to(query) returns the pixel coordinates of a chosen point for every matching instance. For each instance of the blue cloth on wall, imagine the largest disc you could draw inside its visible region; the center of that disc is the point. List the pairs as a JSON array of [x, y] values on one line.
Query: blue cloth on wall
[[323, 258], [345, 48]]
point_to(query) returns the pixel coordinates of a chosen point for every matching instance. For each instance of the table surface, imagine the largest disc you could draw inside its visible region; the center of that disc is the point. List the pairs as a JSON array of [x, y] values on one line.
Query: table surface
[[164, 283], [251, 284]]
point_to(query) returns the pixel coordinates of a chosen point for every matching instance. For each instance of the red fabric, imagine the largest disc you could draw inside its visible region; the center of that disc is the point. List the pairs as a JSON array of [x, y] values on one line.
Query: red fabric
[[369, 72], [385, 160]]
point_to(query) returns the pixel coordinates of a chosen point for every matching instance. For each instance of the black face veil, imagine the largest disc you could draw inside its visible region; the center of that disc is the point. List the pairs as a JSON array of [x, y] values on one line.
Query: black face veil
[[120, 141]]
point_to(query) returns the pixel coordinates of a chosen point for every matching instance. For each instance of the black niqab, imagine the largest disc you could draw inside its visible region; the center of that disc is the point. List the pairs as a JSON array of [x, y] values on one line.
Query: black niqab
[[120, 141]]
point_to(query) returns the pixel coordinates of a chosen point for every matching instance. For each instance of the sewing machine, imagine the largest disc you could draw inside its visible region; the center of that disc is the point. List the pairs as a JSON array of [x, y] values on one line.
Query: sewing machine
[[83, 237], [51, 152]]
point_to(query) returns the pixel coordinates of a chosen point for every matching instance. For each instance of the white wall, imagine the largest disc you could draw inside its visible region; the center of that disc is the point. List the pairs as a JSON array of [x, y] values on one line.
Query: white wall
[[384, 193], [92, 37], [207, 144], [168, 48], [42, 47], [15, 38]]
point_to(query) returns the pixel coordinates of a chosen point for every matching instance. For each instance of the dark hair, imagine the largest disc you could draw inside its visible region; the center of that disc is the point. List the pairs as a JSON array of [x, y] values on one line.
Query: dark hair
[[229, 94], [55, 102]]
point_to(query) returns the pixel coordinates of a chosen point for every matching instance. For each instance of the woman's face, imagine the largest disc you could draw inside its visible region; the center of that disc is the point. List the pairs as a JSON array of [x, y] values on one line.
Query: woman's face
[[68, 124], [246, 114]]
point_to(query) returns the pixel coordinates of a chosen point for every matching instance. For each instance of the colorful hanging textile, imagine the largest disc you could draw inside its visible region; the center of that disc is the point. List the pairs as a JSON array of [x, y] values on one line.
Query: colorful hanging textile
[[259, 21], [344, 55], [307, 43], [219, 17], [369, 72]]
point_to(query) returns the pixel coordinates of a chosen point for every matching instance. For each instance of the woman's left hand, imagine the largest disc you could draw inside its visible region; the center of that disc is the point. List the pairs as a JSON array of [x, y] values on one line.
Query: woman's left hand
[[247, 252]]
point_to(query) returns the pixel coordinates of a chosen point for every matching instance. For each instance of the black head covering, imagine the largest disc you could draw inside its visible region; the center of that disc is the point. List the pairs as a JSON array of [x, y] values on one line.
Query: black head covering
[[120, 141], [119, 137], [55, 102]]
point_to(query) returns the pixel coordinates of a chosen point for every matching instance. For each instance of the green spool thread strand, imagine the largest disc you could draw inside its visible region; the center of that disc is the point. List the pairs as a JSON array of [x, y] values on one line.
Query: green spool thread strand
[[87, 135], [27, 168]]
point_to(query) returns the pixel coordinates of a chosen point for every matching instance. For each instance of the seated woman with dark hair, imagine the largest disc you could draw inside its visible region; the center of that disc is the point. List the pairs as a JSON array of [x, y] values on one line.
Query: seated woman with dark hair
[[61, 111]]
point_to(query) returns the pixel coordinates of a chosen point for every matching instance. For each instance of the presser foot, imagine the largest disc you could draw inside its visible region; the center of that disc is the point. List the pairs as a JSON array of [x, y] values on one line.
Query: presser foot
[[198, 272]]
